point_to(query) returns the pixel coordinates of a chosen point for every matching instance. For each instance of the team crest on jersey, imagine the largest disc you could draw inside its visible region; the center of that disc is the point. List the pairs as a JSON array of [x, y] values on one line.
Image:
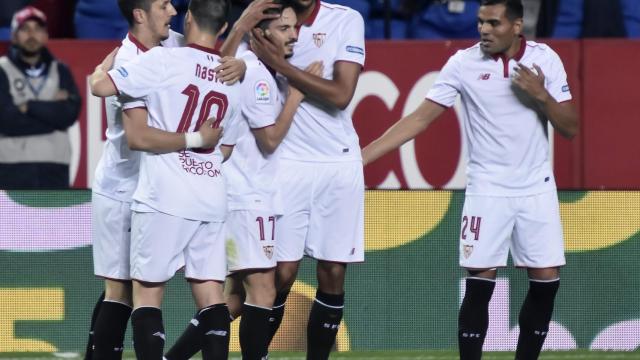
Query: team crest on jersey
[[268, 251], [467, 250], [318, 39], [263, 92]]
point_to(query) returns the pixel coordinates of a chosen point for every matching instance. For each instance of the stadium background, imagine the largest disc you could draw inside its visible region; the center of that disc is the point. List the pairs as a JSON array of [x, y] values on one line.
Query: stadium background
[[407, 294]]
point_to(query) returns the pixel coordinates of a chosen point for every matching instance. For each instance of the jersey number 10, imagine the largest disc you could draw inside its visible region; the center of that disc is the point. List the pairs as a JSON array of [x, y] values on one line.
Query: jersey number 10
[[210, 99]]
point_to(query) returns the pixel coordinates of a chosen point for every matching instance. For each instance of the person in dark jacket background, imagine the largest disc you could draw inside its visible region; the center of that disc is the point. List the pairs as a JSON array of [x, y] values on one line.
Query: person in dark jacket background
[[39, 101]]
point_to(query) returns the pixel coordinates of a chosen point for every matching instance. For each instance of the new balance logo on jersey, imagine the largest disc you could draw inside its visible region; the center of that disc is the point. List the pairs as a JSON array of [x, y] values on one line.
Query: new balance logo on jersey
[[160, 335], [217, 332], [484, 76]]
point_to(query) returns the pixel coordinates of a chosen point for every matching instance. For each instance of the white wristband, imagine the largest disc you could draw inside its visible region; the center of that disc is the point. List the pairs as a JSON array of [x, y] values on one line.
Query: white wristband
[[193, 140]]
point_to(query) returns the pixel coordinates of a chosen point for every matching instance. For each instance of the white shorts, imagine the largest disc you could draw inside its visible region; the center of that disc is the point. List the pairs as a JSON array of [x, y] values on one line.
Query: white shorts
[[251, 240], [529, 226], [323, 206], [111, 235], [161, 244]]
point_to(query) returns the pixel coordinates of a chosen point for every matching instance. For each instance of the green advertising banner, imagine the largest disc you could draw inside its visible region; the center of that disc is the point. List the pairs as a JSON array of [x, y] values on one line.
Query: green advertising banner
[[405, 296]]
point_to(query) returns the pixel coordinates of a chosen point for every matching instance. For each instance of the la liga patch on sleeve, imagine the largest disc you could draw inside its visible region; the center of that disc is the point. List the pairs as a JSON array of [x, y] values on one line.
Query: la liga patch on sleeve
[[262, 92]]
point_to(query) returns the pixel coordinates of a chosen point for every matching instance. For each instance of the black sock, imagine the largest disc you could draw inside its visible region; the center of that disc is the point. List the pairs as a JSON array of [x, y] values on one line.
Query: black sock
[[277, 313], [254, 332], [188, 344], [110, 328], [322, 328], [214, 331], [88, 354], [535, 316], [148, 333], [473, 319]]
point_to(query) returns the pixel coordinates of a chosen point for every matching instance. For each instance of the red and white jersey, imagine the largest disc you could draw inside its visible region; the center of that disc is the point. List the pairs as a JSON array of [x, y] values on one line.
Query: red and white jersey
[[116, 175], [505, 136], [321, 132], [251, 174], [179, 90]]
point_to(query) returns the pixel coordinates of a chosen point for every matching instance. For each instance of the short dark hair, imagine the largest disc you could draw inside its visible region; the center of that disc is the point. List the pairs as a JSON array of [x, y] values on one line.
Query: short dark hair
[[515, 10], [210, 15], [127, 7], [283, 5]]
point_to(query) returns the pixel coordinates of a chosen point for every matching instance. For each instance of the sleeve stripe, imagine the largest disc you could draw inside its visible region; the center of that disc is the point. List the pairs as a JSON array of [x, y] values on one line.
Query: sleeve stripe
[[263, 127], [136, 107], [436, 102]]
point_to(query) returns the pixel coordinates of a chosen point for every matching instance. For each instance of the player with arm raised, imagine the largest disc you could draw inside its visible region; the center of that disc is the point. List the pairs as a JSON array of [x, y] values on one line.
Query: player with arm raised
[[117, 173], [115, 179], [510, 88], [321, 166], [253, 204], [179, 204]]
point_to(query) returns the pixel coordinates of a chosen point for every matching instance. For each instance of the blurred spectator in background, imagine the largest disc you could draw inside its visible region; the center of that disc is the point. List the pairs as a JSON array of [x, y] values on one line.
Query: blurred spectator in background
[[99, 19], [589, 18], [7, 9], [39, 101]]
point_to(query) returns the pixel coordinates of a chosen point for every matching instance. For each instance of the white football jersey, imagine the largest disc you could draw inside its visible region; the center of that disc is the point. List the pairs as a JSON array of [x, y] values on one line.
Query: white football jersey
[[505, 135], [250, 174], [180, 91], [320, 132], [116, 175]]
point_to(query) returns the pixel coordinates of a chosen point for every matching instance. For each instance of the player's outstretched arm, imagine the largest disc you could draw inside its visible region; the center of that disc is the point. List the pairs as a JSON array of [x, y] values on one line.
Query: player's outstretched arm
[[337, 92], [251, 16], [99, 82], [563, 116], [402, 131], [269, 138], [143, 137]]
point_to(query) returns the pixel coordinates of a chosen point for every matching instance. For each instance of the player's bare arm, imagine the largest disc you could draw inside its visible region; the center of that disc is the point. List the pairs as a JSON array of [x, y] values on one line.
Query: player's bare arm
[[269, 138], [143, 137], [337, 92], [563, 115], [402, 131], [251, 16], [226, 151], [230, 70], [99, 81]]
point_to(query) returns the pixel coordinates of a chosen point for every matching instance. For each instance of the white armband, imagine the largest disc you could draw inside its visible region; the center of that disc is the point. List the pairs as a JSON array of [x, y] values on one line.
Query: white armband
[[193, 140]]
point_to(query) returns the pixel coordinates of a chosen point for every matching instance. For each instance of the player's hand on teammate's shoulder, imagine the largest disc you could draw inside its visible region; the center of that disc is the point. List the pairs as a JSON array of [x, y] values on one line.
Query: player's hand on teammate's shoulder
[[315, 68], [107, 62], [230, 70], [254, 13], [210, 135], [531, 82]]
